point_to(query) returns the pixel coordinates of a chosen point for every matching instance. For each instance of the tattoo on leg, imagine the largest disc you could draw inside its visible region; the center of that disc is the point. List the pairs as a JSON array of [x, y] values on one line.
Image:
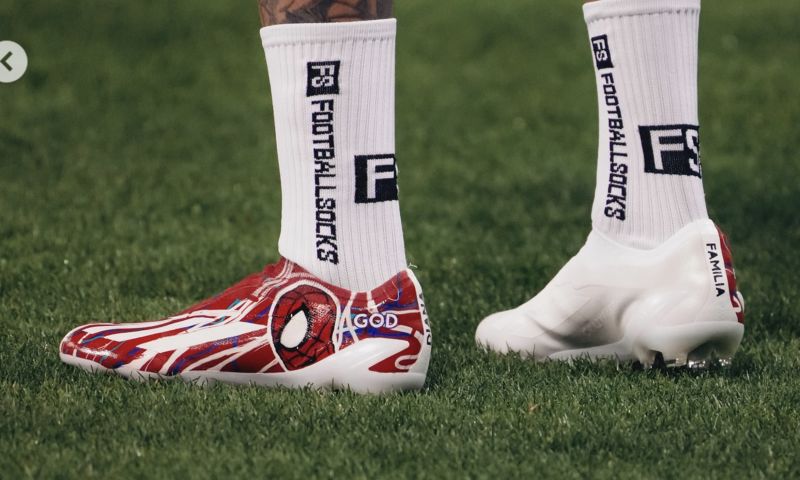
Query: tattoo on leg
[[274, 12]]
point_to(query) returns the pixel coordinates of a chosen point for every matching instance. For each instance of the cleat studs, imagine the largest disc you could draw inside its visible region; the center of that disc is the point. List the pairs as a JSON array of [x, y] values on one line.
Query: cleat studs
[[648, 360], [679, 361], [697, 365]]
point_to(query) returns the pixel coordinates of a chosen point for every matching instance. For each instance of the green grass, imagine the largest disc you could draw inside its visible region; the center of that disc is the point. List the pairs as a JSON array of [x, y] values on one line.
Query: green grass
[[138, 174]]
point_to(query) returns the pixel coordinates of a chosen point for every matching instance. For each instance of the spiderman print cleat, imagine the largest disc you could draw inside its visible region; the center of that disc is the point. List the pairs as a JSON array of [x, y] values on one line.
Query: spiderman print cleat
[[280, 327]]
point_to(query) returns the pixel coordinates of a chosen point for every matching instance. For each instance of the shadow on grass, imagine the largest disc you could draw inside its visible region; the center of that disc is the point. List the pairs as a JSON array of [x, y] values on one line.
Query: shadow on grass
[[743, 364]]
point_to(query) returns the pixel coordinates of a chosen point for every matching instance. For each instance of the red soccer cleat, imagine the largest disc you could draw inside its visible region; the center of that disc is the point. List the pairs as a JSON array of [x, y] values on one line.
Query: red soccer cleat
[[279, 327]]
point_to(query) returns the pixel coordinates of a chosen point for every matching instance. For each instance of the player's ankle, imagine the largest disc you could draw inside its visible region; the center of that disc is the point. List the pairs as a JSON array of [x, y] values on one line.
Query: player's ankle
[[333, 97], [649, 183]]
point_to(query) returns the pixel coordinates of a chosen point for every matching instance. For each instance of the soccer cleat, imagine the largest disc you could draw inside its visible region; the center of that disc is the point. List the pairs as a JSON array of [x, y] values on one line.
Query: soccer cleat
[[678, 302], [279, 327]]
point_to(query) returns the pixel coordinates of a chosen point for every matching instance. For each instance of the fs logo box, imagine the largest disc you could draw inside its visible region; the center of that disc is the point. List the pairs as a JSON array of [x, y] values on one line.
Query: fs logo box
[[602, 54], [323, 78], [671, 149], [376, 178]]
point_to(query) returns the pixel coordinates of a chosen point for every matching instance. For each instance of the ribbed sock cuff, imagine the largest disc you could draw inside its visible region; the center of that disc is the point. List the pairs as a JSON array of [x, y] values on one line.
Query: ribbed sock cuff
[[294, 33], [601, 9]]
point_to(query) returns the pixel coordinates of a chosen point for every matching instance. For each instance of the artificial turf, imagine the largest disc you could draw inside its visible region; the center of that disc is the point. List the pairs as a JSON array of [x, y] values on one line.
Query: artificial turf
[[138, 174]]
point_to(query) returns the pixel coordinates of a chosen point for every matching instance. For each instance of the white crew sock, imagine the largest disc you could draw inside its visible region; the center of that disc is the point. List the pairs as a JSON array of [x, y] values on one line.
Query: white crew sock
[[333, 99], [648, 175]]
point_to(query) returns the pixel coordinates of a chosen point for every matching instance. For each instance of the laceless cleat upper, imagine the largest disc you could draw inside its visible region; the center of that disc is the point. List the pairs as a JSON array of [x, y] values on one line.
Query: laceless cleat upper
[[679, 300], [281, 326]]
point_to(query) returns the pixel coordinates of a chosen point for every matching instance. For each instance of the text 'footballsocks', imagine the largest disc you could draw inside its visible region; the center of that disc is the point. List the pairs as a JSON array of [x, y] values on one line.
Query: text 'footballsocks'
[[649, 177], [333, 99]]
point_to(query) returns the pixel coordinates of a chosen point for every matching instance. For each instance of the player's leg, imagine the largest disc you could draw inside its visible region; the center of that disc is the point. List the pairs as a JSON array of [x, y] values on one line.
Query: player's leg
[[332, 82], [275, 12], [340, 309], [655, 275]]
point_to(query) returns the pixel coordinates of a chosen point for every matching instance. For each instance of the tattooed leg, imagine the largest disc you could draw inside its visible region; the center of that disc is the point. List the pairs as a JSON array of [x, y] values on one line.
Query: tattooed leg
[[274, 12]]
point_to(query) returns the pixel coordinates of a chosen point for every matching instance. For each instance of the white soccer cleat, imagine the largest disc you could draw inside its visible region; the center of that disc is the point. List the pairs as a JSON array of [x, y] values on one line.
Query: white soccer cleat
[[611, 301]]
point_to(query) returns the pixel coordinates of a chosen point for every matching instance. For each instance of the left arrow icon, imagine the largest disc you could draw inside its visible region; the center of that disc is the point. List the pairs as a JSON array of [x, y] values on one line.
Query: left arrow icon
[[13, 61]]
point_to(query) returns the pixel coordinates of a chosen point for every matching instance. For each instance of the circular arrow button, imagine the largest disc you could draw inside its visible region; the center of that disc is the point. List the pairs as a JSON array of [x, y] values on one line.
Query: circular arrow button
[[13, 61]]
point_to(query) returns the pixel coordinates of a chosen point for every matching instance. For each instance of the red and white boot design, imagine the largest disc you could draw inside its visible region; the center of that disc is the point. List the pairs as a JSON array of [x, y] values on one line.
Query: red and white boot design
[[280, 327]]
